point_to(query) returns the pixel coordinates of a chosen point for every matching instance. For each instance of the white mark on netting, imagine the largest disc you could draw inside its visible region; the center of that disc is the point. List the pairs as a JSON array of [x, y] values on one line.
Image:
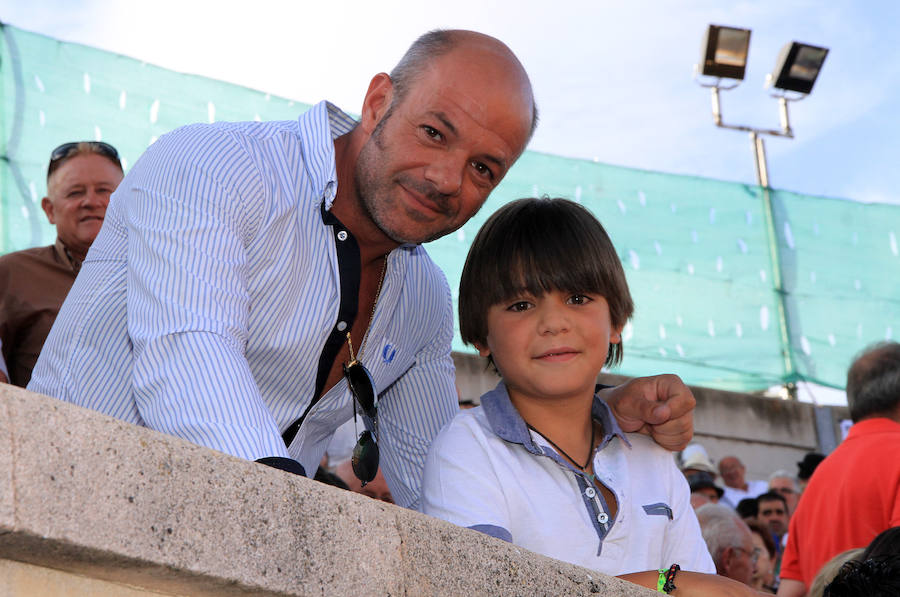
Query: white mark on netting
[[855, 238], [33, 189], [291, 103], [24, 212], [662, 332], [657, 247], [461, 235], [712, 215], [711, 327], [628, 332], [889, 333], [832, 340], [719, 264], [455, 293], [534, 191], [816, 228], [42, 118], [642, 198], [98, 136], [211, 112], [859, 331], [621, 206], [679, 350], [124, 162], [634, 259], [742, 245], [739, 330], [679, 321], [690, 268], [748, 217], [596, 160], [762, 275], [694, 237], [857, 284], [673, 207], [892, 241], [788, 235], [87, 83], [39, 84], [764, 317], [812, 277], [578, 194], [154, 112], [663, 352], [256, 118], [123, 99], [152, 140], [268, 97], [804, 344]]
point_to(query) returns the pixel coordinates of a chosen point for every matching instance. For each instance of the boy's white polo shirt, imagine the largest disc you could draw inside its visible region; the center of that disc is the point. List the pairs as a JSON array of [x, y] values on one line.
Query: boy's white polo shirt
[[488, 472]]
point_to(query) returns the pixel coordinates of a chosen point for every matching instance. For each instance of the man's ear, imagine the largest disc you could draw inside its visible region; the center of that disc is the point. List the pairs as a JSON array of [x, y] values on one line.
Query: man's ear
[[377, 101], [727, 559], [47, 206], [483, 350]]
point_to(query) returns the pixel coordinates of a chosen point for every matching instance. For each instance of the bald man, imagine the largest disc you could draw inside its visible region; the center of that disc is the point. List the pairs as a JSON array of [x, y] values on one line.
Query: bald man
[[261, 282]]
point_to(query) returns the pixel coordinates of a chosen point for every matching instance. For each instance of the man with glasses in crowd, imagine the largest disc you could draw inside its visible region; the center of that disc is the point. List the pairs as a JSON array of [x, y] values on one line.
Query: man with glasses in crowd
[[261, 282], [34, 282]]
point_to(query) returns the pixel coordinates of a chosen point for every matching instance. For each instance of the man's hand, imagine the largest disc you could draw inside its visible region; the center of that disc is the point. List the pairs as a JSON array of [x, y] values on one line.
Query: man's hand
[[660, 406]]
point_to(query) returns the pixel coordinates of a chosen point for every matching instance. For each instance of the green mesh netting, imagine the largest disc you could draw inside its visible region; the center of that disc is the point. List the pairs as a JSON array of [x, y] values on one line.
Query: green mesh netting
[[697, 251]]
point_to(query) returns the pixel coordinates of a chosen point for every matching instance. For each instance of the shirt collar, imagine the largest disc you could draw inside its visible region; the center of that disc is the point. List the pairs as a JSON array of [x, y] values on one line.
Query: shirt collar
[[319, 127], [65, 256], [508, 424]]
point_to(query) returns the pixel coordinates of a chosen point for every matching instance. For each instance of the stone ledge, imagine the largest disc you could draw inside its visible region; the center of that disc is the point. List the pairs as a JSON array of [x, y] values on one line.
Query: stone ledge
[[85, 493]]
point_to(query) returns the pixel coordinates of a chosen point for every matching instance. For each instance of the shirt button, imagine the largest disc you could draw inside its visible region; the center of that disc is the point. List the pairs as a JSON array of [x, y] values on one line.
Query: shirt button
[[590, 492], [602, 518], [342, 235], [341, 326]]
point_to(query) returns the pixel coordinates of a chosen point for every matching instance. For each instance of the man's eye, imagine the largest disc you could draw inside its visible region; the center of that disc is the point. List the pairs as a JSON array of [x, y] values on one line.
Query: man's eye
[[433, 132], [483, 170]]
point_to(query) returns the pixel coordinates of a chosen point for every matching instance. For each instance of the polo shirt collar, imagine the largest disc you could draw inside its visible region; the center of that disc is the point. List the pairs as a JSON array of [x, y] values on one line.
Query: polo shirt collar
[[319, 127], [508, 424]]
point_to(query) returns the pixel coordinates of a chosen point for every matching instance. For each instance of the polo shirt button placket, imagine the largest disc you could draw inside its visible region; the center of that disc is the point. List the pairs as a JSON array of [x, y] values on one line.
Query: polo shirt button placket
[[590, 492], [342, 235]]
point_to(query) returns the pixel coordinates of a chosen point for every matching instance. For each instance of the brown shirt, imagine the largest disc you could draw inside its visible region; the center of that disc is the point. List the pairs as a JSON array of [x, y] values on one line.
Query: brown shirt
[[33, 285]]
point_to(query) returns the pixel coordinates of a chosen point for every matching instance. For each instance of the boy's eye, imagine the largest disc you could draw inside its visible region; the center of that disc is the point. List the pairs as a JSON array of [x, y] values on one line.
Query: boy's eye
[[579, 299], [519, 306]]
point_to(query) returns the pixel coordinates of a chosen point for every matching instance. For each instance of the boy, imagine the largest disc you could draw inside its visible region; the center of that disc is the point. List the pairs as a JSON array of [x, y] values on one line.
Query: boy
[[542, 463]]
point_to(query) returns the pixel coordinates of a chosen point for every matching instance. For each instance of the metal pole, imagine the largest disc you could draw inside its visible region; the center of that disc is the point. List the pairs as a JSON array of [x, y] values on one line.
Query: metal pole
[[762, 178]]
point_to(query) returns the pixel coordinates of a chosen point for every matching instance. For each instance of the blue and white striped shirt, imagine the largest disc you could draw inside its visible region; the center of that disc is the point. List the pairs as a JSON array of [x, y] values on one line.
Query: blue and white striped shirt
[[203, 305]]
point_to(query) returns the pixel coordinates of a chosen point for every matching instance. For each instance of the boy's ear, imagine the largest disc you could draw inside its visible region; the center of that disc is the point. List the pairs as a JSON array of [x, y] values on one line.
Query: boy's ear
[[615, 335], [483, 350]]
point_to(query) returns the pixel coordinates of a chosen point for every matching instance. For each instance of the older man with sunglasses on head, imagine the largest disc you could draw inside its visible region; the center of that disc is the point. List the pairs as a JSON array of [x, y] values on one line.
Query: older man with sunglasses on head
[[33, 283], [257, 283]]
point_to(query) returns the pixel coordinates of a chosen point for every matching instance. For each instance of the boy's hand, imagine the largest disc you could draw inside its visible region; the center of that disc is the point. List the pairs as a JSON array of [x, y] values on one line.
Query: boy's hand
[[660, 406]]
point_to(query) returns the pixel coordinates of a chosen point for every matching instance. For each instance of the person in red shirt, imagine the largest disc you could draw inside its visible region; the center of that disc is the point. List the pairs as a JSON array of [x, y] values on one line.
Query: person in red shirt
[[854, 493]]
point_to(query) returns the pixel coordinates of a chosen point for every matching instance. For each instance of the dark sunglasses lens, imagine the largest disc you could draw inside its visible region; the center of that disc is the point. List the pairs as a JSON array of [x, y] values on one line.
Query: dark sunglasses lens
[[365, 458], [362, 387]]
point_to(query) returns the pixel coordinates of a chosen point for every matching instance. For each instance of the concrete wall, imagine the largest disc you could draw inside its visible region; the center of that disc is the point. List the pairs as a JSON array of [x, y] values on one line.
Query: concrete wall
[[93, 506], [767, 434]]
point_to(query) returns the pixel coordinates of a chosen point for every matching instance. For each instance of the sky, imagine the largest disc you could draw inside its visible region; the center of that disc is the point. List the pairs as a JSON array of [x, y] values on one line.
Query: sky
[[613, 79]]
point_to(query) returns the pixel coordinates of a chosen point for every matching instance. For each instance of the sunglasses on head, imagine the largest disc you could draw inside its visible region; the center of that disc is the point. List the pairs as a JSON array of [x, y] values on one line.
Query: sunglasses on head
[[365, 454], [67, 150]]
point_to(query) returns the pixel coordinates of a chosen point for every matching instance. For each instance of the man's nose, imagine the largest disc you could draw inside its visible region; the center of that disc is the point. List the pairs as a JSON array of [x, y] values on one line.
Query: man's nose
[[446, 173], [95, 199]]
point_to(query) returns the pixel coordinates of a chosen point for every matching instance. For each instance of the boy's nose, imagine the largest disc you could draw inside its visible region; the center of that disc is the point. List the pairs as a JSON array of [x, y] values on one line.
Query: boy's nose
[[553, 320]]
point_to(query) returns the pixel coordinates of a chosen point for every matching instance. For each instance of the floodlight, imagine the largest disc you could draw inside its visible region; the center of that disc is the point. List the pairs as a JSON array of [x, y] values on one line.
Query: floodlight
[[725, 52], [797, 67]]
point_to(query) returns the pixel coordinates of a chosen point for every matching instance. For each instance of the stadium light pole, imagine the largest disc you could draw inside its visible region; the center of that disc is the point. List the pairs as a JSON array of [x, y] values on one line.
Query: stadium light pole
[[723, 64]]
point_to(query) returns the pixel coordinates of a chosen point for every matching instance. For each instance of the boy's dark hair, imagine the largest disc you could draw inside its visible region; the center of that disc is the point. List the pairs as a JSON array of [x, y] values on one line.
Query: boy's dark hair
[[536, 246], [874, 577]]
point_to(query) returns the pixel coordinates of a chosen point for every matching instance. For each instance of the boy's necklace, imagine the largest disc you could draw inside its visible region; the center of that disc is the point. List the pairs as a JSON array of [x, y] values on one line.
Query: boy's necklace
[[587, 462]]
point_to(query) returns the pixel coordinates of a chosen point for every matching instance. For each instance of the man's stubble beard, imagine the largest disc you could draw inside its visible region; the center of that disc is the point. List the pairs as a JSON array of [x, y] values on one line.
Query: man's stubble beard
[[375, 198]]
